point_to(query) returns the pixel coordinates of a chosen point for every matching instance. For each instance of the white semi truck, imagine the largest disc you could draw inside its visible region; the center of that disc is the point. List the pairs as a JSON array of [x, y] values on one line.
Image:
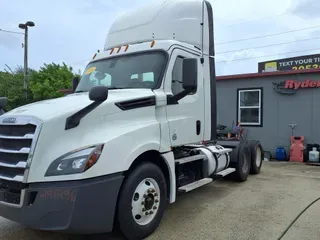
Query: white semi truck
[[139, 127]]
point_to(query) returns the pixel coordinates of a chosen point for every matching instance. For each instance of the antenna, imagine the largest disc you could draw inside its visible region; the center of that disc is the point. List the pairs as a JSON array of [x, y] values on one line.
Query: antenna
[[202, 32]]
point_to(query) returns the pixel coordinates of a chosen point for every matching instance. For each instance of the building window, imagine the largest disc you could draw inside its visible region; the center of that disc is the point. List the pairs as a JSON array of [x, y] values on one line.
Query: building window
[[250, 107]]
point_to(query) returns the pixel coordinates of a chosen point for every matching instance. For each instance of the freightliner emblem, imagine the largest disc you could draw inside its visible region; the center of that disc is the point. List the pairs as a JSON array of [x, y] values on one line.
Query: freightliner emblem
[[9, 120]]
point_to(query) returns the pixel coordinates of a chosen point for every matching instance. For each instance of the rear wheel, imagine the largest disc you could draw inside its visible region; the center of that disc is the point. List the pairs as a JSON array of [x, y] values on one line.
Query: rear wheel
[[243, 163], [256, 156], [142, 202]]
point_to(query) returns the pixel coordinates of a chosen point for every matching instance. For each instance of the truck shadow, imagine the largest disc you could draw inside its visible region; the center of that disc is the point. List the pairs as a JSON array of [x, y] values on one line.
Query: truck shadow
[[194, 205], [187, 207], [40, 235], [13, 231]]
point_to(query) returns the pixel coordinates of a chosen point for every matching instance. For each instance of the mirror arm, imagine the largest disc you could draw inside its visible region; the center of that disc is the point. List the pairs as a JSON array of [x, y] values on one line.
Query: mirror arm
[[74, 120], [182, 94], [173, 99]]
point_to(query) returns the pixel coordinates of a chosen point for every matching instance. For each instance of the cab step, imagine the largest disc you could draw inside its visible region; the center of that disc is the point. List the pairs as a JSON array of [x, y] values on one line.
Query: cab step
[[224, 173], [194, 185]]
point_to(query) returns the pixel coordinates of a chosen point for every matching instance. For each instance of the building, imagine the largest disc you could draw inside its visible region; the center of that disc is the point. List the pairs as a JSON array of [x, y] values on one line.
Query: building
[[272, 106]]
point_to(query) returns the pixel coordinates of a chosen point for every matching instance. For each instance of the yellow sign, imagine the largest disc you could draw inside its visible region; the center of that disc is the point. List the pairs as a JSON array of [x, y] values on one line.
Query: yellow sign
[[90, 70], [270, 67]]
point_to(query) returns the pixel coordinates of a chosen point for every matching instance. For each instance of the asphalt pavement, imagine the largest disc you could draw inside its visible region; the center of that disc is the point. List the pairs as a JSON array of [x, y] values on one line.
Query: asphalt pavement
[[260, 208]]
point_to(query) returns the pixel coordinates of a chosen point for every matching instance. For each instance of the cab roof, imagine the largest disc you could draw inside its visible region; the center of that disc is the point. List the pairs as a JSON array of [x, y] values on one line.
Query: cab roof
[[163, 20]]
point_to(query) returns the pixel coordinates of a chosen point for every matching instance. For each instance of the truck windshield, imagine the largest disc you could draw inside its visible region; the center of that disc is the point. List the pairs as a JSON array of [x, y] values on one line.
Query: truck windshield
[[130, 71]]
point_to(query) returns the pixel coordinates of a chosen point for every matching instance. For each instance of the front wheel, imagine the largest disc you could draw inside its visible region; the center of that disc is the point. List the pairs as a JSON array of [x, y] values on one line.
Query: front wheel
[[142, 202]]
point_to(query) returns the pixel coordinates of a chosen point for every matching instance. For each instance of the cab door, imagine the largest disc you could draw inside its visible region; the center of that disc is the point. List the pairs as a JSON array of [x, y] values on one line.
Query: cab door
[[185, 116]]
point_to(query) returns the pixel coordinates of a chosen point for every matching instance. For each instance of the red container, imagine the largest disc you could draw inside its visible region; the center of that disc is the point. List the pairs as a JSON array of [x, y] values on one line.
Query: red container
[[296, 149]]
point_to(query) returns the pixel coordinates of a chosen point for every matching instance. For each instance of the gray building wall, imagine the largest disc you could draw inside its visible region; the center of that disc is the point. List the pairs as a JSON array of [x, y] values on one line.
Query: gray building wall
[[278, 110]]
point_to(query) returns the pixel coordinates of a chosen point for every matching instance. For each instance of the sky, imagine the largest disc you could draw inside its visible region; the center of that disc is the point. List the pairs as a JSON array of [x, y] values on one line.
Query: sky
[[71, 31]]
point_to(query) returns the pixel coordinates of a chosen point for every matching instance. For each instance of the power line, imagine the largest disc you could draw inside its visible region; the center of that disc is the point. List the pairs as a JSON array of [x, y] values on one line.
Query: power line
[[266, 17], [270, 45], [240, 59], [254, 20], [7, 31], [267, 35]]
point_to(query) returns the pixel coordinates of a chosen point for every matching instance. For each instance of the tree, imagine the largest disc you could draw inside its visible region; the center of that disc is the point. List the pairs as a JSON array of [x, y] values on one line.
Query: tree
[[49, 80], [11, 86], [43, 84]]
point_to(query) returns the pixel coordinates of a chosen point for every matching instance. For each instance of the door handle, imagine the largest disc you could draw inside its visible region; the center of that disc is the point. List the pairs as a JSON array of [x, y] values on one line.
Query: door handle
[[198, 127]]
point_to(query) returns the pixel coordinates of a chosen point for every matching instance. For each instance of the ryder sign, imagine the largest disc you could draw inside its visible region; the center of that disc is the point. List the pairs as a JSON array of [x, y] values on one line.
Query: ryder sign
[[291, 86]]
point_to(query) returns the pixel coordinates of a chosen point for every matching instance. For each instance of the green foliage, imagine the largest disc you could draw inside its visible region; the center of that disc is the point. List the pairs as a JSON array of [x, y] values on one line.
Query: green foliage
[[46, 83], [11, 86], [43, 84]]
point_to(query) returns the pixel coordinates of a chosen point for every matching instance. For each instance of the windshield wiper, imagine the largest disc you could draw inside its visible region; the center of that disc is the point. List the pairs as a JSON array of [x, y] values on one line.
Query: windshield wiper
[[113, 87], [110, 88]]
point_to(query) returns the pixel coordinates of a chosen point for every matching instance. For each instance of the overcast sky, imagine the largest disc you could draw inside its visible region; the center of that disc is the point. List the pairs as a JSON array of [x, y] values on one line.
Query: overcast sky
[[73, 30]]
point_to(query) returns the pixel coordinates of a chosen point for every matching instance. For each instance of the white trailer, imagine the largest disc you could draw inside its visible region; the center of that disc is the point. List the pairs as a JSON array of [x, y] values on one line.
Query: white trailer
[[139, 127]]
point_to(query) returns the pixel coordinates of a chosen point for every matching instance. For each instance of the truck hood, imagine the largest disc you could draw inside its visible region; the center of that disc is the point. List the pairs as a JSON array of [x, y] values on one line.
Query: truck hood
[[70, 104]]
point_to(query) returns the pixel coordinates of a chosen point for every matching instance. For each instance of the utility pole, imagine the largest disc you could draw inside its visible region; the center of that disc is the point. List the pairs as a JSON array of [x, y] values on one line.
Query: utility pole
[[25, 26]]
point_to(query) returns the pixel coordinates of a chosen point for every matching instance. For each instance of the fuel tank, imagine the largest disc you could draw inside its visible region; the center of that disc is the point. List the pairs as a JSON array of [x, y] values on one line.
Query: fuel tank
[[218, 157]]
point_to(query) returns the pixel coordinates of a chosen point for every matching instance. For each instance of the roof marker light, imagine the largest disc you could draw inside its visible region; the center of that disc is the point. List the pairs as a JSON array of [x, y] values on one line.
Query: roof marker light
[[119, 49], [111, 51], [152, 43], [126, 48]]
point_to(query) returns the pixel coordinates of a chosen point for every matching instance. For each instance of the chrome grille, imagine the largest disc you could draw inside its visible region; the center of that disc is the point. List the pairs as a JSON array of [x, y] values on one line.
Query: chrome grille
[[18, 138]]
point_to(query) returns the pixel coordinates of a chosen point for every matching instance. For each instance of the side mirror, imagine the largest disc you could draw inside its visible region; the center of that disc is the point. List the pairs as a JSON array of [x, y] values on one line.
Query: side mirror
[[75, 83], [98, 93], [3, 102], [189, 74]]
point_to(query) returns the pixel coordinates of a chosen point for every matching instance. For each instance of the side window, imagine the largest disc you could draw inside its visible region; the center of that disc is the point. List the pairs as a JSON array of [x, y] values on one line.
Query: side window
[[145, 77], [176, 85], [98, 78], [148, 77]]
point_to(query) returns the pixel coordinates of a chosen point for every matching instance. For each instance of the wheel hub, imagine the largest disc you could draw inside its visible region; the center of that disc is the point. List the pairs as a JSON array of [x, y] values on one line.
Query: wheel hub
[[145, 201], [149, 202]]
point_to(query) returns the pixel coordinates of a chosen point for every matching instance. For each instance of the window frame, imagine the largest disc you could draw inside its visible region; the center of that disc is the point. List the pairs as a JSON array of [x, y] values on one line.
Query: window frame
[[182, 57], [260, 107], [160, 80]]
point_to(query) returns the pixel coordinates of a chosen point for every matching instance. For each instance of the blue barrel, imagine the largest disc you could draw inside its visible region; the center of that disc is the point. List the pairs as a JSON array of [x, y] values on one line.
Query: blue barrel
[[281, 154]]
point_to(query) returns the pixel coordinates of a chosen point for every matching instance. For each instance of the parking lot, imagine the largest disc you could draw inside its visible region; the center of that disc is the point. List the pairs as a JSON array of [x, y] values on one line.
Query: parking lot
[[260, 208]]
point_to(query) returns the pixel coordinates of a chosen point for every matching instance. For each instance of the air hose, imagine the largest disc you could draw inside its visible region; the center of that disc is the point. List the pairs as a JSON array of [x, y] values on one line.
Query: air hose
[[299, 215]]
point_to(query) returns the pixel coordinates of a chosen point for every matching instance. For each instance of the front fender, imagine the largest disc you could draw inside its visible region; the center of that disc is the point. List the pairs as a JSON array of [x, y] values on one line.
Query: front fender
[[120, 151], [124, 141], [139, 150]]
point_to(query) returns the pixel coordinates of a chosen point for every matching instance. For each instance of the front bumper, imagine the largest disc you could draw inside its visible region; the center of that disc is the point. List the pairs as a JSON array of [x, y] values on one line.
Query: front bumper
[[81, 207]]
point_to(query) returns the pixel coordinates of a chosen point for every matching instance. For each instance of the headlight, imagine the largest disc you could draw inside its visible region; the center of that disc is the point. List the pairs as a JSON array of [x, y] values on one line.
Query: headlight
[[77, 161]]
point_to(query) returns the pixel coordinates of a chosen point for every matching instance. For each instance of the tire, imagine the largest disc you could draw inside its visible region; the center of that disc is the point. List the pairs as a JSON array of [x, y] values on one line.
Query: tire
[[256, 156], [138, 197], [243, 163]]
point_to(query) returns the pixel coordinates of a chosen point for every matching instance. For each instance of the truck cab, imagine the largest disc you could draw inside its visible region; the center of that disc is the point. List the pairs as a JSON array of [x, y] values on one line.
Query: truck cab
[[139, 127]]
